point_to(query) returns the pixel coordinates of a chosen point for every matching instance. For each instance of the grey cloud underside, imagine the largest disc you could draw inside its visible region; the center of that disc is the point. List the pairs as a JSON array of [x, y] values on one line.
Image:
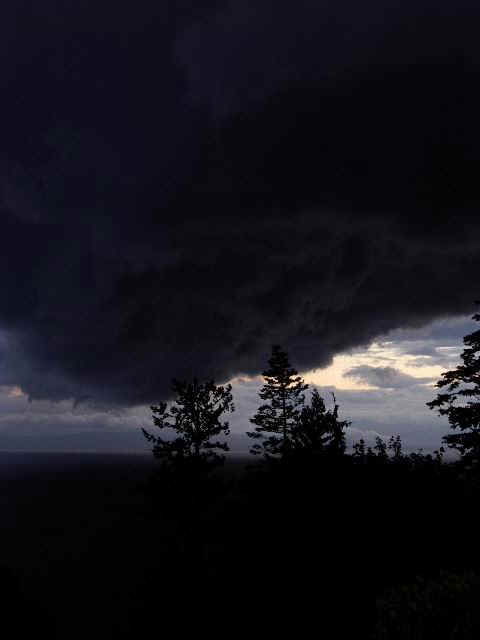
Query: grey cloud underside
[[160, 219], [383, 377]]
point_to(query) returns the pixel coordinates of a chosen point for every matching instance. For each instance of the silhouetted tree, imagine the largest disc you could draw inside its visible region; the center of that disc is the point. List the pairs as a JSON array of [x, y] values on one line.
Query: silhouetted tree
[[195, 417], [381, 447], [461, 401], [359, 450], [378, 453], [395, 446], [318, 429], [391, 452], [283, 391]]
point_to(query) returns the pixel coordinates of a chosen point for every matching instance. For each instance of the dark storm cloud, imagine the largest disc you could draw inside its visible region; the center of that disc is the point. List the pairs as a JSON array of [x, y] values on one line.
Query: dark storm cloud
[[181, 186]]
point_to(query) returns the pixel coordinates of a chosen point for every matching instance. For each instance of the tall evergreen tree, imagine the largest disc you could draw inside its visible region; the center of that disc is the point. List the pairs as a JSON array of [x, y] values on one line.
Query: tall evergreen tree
[[195, 418], [461, 401], [276, 420]]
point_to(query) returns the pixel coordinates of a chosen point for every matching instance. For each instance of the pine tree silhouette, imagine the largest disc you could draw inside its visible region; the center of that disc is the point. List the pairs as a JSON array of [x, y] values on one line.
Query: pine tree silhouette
[[461, 401], [283, 392]]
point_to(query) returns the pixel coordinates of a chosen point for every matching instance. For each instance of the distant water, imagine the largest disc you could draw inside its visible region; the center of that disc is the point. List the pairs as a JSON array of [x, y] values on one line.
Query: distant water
[[27, 463], [43, 466]]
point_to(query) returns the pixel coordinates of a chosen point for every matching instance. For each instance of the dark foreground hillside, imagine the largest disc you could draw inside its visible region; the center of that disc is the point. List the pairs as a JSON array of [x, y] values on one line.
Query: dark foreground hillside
[[70, 542], [373, 551]]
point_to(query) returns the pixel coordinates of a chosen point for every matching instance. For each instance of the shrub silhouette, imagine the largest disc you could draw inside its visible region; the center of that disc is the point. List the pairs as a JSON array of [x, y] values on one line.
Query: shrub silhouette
[[442, 607]]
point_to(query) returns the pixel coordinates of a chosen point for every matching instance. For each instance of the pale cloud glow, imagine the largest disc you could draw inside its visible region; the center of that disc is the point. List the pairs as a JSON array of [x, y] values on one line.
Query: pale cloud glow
[[378, 354], [385, 354], [424, 352]]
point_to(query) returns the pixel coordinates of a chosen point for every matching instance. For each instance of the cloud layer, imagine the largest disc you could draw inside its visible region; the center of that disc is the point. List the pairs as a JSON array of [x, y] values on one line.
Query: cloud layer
[[180, 188], [384, 377], [395, 405]]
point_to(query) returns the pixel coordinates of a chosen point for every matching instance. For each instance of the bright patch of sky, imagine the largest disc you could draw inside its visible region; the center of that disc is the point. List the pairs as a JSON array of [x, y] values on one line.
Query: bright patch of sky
[[422, 354], [383, 388]]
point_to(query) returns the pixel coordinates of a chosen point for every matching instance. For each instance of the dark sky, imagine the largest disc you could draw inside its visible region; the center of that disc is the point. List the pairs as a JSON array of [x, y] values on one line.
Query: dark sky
[[182, 186]]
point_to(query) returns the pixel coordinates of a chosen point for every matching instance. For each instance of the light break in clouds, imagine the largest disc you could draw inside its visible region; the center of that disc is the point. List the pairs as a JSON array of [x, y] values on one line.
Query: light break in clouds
[[381, 388]]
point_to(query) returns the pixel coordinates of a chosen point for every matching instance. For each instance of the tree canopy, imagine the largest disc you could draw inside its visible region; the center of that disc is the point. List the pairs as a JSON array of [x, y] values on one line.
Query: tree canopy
[[277, 419], [319, 429], [195, 418], [460, 402]]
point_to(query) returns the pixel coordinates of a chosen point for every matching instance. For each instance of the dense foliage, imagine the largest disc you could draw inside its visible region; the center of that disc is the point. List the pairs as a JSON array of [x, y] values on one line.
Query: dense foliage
[[460, 400], [318, 429], [194, 419], [277, 419]]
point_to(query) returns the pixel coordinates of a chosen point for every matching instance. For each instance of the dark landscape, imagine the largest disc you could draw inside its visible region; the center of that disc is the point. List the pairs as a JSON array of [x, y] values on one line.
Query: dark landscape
[[85, 553], [239, 306]]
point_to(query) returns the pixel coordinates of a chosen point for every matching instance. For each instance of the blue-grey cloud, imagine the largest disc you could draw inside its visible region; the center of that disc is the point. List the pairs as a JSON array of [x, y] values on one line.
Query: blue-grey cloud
[[437, 343], [384, 377]]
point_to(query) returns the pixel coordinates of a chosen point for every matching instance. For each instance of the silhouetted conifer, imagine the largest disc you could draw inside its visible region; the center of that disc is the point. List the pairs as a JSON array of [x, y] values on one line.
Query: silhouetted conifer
[[381, 448], [318, 429], [195, 417], [395, 446], [461, 401], [277, 419], [359, 450]]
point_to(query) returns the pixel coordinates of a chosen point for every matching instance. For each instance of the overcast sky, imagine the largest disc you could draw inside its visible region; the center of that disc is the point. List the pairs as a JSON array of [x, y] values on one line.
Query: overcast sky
[[183, 184]]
